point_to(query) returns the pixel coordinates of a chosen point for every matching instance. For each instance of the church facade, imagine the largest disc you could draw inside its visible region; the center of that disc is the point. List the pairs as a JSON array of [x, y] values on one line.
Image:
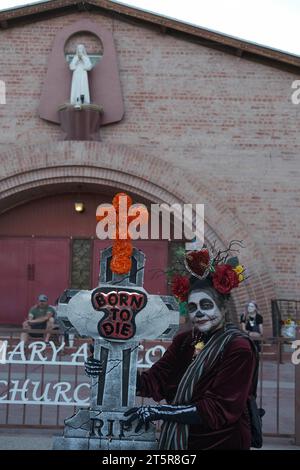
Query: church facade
[[204, 119]]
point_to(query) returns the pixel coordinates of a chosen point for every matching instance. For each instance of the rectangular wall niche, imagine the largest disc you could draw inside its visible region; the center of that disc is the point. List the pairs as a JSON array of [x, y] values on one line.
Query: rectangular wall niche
[[81, 264]]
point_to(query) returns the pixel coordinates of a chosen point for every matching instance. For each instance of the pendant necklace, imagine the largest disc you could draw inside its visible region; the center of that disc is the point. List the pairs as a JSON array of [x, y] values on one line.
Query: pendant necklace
[[198, 343]]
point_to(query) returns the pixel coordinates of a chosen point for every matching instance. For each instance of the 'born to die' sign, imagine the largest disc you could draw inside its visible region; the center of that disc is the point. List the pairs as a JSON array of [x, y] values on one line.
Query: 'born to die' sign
[[120, 308], [118, 313]]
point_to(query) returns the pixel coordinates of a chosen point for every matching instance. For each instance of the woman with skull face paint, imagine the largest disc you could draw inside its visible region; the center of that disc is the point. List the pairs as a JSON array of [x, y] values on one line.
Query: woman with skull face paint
[[252, 323], [206, 378]]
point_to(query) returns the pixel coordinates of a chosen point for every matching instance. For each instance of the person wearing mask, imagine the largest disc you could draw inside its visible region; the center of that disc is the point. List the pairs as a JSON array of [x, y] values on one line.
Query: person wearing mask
[[205, 376]]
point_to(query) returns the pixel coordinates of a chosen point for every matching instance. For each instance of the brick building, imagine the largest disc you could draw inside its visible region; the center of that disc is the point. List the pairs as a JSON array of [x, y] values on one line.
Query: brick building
[[208, 119]]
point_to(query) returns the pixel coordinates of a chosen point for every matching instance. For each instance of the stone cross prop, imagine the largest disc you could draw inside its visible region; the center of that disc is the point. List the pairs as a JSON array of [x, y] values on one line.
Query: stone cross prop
[[118, 314]]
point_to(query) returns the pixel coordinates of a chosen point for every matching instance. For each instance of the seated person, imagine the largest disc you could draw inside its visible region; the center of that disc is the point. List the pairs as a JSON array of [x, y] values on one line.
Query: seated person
[[42, 317], [252, 323]]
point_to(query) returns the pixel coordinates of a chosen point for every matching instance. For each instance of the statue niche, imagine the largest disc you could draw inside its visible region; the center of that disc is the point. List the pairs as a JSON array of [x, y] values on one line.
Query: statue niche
[[80, 118], [80, 95]]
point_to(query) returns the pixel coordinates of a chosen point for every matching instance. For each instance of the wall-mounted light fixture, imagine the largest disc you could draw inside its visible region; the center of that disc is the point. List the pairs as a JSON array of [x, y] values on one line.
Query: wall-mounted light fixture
[[79, 207]]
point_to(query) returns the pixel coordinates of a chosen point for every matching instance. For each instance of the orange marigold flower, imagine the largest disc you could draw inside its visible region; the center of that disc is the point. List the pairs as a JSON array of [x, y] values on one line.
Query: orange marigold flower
[[116, 200], [122, 247], [125, 235], [120, 264]]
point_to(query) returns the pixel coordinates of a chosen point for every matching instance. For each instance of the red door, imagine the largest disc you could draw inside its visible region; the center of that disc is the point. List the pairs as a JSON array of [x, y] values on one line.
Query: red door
[[29, 267], [51, 259], [156, 251], [14, 274]]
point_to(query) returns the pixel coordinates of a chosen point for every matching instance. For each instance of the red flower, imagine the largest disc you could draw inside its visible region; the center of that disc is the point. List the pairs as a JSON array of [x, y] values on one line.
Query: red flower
[[180, 287], [198, 261], [225, 278]]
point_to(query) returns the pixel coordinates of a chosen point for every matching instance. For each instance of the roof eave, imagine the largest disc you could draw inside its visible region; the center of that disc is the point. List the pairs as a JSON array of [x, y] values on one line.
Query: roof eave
[[241, 46]]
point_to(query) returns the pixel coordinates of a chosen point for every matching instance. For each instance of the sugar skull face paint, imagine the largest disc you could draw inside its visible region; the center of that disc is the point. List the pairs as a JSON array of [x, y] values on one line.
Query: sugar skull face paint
[[204, 313]]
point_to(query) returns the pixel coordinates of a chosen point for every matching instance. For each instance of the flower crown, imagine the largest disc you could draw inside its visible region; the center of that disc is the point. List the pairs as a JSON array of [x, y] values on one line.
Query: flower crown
[[224, 271]]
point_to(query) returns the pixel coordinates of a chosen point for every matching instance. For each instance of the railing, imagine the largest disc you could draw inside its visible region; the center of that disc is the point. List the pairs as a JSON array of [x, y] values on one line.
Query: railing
[[41, 385], [278, 387], [282, 310], [45, 384]]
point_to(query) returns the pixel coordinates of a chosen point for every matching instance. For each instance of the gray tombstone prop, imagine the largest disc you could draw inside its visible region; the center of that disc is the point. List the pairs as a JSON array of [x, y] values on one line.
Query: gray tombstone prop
[[101, 425]]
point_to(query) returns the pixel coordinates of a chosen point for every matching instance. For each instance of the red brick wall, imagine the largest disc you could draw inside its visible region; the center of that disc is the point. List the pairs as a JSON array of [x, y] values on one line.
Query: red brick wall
[[227, 123]]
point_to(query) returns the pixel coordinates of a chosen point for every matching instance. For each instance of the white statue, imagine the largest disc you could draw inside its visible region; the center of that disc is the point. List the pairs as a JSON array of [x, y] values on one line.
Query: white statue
[[80, 65]]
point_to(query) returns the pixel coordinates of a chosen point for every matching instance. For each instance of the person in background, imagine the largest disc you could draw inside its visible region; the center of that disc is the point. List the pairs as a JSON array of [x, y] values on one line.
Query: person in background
[[41, 316], [252, 323]]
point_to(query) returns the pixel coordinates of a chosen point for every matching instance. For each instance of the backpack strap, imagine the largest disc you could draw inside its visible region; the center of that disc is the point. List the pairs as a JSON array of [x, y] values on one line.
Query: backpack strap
[[255, 372]]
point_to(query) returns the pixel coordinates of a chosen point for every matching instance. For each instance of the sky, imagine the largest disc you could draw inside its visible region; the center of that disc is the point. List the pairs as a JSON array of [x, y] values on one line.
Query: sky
[[272, 23]]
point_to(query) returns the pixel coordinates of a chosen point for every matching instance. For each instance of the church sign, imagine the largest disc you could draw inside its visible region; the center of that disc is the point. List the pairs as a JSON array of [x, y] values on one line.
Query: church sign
[[32, 391]]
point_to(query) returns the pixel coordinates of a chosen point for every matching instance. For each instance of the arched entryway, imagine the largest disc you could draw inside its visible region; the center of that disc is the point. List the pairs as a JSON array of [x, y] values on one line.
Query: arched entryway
[[58, 168]]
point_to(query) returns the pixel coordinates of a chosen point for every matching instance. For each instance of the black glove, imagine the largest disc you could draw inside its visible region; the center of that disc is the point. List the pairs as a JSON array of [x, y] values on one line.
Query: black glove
[[138, 383], [93, 367], [184, 414]]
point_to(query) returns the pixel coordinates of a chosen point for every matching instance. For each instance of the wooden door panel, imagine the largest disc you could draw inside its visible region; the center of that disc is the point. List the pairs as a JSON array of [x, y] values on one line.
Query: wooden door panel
[[51, 258], [29, 267], [15, 275]]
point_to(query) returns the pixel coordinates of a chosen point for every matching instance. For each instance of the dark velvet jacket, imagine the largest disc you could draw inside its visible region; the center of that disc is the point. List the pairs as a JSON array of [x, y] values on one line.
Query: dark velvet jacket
[[220, 397]]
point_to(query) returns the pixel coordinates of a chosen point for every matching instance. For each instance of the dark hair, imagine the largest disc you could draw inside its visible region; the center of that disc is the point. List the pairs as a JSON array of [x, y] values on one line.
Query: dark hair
[[207, 285]]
